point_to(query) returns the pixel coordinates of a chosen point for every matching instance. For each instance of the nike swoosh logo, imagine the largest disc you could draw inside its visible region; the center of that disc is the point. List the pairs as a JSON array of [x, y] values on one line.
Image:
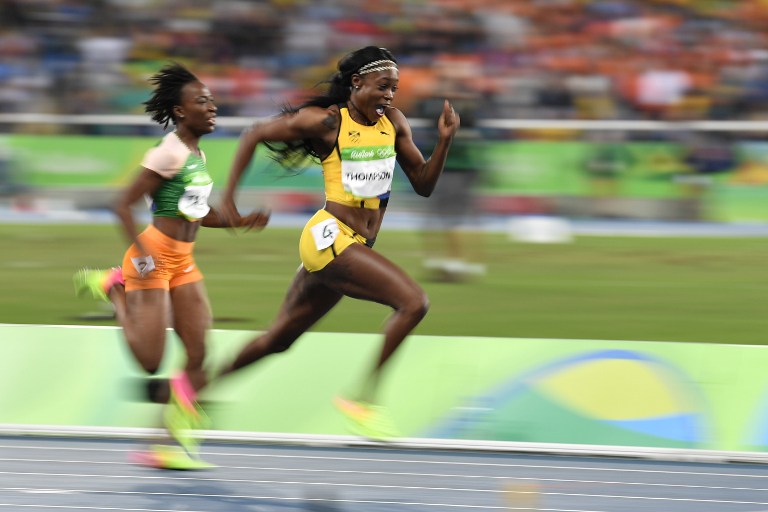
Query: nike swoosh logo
[[192, 166]]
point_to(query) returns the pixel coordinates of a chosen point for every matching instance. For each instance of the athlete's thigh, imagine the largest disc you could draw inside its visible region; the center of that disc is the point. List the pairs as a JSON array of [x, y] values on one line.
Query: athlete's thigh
[[306, 301], [362, 273], [147, 316], [191, 312]]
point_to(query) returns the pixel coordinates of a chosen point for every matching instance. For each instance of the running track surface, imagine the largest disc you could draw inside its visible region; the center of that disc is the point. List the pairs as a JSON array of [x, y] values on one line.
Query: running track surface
[[82, 474]]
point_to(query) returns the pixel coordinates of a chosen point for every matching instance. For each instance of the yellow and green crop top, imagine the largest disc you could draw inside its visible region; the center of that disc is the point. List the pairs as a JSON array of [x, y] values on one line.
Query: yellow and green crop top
[[359, 170]]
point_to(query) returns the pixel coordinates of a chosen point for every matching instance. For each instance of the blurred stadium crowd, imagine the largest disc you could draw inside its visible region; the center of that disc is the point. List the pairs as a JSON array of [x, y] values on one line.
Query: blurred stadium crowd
[[543, 59]]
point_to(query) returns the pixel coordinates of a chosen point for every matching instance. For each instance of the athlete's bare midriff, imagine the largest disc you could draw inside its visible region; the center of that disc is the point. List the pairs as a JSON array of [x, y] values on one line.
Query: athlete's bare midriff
[[364, 221], [177, 228]]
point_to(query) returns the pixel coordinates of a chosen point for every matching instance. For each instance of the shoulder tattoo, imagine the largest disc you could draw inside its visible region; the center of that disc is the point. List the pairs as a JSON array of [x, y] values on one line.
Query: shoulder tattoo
[[331, 120]]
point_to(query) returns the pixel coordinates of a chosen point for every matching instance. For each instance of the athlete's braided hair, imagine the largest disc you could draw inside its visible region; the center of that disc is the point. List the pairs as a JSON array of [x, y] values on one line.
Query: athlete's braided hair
[[293, 155], [168, 82]]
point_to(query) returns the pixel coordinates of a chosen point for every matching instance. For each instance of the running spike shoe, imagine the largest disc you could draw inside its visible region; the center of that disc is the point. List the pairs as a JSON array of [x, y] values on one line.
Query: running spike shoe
[[183, 415], [96, 282], [169, 457], [367, 420]]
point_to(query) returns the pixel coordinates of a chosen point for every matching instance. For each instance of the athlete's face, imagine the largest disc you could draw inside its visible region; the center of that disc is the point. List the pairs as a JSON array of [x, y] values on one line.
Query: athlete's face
[[376, 92], [197, 110]]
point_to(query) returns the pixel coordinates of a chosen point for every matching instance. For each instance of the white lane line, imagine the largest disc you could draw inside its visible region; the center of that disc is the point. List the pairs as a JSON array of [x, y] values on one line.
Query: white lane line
[[410, 503], [413, 461], [72, 507], [41, 491], [281, 498], [368, 486], [256, 482], [376, 473]]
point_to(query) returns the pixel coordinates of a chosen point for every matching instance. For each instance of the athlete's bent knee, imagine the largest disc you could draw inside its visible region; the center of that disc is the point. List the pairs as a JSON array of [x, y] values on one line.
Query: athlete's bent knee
[[418, 306], [150, 369], [276, 348]]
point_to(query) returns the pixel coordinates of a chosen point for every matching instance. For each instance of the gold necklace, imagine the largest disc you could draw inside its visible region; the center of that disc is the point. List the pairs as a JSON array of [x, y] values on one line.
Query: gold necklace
[[359, 113]]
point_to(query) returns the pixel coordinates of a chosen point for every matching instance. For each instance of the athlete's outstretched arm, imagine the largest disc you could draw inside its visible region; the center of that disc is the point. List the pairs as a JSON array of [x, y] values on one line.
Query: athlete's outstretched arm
[[307, 123], [257, 219], [423, 174]]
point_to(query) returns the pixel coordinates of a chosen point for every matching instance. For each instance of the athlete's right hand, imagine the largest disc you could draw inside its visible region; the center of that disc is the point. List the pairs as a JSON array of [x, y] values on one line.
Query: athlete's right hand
[[257, 219], [228, 212]]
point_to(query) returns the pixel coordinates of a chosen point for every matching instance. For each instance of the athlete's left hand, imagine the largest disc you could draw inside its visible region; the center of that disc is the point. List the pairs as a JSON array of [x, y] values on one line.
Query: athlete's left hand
[[449, 121]]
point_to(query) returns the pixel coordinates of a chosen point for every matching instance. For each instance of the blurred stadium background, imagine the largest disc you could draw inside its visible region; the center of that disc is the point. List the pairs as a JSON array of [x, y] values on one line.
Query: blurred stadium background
[[579, 117], [615, 108]]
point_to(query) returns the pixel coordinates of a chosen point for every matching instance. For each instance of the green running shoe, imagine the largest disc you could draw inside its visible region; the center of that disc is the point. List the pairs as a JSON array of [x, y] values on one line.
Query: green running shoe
[[169, 457], [91, 281], [367, 420]]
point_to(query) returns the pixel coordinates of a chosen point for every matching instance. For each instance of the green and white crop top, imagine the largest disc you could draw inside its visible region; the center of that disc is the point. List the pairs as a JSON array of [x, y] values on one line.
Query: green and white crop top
[[187, 184]]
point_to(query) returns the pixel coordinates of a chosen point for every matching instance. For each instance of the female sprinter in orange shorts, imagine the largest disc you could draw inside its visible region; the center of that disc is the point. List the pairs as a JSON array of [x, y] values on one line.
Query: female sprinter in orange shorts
[[357, 134], [159, 282]]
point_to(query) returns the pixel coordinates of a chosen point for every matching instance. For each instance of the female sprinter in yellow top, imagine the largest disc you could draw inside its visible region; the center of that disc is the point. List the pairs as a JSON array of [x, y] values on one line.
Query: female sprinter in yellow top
[[357, 134]]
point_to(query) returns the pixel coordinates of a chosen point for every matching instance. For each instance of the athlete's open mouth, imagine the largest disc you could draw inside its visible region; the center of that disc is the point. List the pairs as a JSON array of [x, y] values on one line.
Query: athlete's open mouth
[[380, 109]]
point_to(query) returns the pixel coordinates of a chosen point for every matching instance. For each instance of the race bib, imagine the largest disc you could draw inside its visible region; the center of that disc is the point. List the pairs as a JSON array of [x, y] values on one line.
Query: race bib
[[193, 204], [325, 233], [367, 171], [143, 265]]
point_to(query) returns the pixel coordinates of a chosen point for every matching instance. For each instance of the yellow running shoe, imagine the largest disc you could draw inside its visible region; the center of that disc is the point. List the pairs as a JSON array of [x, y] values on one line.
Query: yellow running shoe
[[183, 415], [367, 420], [87, 280], [96, 282], [169, 457]]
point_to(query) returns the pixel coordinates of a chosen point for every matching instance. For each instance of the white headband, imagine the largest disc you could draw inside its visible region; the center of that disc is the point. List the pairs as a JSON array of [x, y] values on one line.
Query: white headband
[[377, 65]]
